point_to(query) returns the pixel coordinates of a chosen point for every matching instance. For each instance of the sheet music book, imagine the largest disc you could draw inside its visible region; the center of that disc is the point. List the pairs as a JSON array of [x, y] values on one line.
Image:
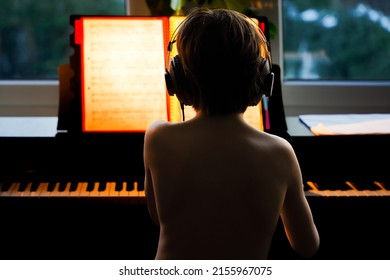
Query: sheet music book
[[347, 124], [122, 64]]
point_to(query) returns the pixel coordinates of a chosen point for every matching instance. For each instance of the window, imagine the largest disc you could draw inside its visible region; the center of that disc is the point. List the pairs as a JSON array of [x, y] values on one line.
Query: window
[[336, 40], [326, 67], [35, 35], [335, 55], [34, 41]]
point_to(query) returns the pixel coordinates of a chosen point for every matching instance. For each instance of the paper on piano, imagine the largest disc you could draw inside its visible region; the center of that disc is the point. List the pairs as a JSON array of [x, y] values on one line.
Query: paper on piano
[[347, 124], [28, 126]]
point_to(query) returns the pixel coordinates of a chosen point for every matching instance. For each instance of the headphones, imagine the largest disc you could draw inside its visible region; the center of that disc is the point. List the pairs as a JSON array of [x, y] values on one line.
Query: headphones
[[178, 84]]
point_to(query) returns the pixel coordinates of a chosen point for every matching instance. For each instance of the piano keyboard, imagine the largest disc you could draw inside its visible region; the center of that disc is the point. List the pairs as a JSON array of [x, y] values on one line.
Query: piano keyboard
[[73, 189], [333, 188], [132, 190]]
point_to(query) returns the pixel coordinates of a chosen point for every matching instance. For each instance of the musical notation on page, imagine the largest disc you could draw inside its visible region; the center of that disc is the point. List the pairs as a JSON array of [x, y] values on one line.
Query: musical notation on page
[[123, 88]]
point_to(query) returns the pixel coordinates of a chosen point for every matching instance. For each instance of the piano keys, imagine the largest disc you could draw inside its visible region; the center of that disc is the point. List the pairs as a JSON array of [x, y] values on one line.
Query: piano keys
[[328, 188], [132, 191]]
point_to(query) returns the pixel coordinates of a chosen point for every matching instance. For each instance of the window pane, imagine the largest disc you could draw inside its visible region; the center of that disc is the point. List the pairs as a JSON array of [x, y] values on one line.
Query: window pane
[[336, 40], [34, 34]]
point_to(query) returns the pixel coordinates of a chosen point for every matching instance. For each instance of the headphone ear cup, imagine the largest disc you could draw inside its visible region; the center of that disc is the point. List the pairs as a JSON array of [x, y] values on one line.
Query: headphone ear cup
[[264, 84], [169, 83], [269, 84], [266, 78], [176, 81]]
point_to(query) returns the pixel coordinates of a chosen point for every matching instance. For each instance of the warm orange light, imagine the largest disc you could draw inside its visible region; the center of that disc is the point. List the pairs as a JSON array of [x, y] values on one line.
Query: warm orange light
[[123, 86], [123, 60]]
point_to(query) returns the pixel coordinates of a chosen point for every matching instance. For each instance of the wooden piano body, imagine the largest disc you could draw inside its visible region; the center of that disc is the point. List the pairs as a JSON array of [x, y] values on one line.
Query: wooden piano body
[[91, 215]]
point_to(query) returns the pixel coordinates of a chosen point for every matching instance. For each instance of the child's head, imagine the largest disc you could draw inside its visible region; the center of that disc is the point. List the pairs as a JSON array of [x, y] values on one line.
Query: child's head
[[223, 62]]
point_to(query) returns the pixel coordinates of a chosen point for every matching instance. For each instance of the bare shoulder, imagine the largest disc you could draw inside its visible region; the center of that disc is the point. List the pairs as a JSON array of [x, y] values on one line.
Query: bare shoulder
[[277, 144], [156, 130], [160, 139], [156, 127]]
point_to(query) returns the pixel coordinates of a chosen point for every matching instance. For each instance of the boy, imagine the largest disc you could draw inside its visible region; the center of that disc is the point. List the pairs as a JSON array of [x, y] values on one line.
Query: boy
[[215, 185]]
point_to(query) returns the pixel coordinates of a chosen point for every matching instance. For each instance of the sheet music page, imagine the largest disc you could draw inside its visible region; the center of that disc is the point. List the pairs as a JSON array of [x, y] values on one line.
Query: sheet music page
[[123, 74]]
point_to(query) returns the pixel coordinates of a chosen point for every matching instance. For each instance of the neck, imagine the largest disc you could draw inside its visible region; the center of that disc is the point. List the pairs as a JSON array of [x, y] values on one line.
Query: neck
[[200, 114]]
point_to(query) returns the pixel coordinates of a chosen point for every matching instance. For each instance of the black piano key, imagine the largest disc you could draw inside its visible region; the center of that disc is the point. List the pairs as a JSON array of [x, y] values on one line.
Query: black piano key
[[141, 186], [5, 186], [23, 186], [332, 184], [102, 186], [119, 186], [306, 187], [382, 184], [73, 186], [34, 186], [365, 185], [129, 186], [51, 186], [90, 186], [62, 186]]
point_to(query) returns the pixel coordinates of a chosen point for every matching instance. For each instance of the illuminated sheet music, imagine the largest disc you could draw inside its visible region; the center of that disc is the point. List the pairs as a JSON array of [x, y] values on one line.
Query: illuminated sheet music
[[123, 60], [123, 74]]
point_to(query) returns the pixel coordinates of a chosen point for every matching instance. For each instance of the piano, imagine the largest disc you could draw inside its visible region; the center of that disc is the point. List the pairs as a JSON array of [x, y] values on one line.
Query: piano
[[66, 196], [63, 196], [347, 184]]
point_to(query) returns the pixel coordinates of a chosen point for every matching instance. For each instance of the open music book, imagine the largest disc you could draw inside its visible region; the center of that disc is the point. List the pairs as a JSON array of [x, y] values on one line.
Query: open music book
[[122, 65]]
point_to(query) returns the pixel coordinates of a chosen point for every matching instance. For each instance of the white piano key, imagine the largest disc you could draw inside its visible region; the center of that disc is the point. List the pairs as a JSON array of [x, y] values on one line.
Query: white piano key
[[141, 193], [114, 189], [134, 193], [65, 192], [110, 190], [95, 192], [124, 192], [15, 190], [45, 191], [41, 188], [11, 189], [83, 190], [60, 193], [106, 191], [27, 191], [55, 191], [80, 187]]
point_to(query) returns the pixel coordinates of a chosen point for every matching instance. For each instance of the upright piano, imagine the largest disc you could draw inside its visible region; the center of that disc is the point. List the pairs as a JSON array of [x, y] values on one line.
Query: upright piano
[[81, 196]]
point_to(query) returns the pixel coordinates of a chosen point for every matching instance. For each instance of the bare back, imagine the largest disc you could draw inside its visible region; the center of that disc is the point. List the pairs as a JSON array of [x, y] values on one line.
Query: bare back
[[217, 187]]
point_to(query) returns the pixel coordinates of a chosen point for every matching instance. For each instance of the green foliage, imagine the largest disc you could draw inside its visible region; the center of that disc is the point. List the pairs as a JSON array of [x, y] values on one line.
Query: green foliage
[[162, 7], [357, 48], [34, 35], [238, 5]]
